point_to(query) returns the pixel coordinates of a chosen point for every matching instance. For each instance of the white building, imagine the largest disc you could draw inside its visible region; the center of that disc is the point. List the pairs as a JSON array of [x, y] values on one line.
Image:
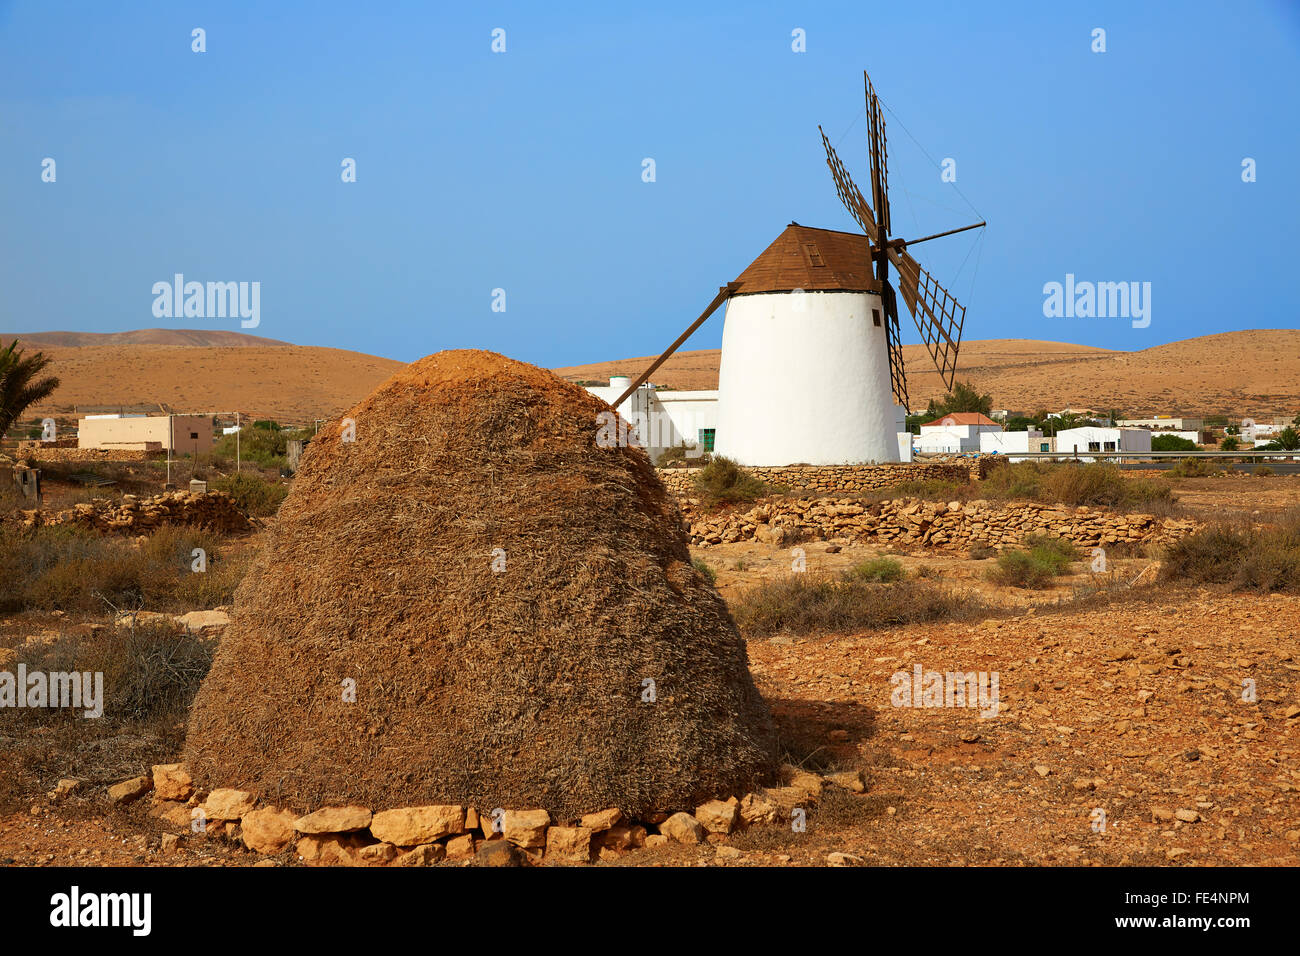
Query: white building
[[1011, 443], [804, 376], [1164, 423], [1261, 433], [665, 419], [1094, 438], [955, 433]]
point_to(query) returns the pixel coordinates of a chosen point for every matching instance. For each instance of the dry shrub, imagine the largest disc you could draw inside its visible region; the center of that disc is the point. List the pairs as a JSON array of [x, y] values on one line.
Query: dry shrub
[[66, 567], [1240, 556], [723, 482], [932, 489], [151, 672], [479, 683], [810, 603], [252, 493], [1094, 483]]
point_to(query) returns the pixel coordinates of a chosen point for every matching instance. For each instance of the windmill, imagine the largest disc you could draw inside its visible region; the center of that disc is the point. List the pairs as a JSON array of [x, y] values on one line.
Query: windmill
[[809, 371]]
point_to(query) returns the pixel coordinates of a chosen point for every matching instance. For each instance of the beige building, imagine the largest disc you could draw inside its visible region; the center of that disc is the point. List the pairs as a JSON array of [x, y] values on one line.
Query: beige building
[[183, 434]]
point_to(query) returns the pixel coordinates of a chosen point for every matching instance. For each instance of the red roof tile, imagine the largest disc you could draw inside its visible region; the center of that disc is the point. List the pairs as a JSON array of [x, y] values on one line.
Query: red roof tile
[[962, 418]]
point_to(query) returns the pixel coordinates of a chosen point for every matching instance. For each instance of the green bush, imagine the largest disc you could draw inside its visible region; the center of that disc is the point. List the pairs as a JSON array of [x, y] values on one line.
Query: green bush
[[264, 446], [814, 603], [1043, 558], [1263, 471], [723, 482], [705, 571], [253, 493], [881, 570], [1172, 443]]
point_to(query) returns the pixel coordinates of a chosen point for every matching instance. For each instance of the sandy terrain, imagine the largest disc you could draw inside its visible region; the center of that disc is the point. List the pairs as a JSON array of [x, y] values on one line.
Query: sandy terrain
[[1127, 703], [1237, 373]]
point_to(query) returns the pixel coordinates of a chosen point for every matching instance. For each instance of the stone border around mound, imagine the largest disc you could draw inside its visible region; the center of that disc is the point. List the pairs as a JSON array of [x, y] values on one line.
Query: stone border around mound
[[424, 835]]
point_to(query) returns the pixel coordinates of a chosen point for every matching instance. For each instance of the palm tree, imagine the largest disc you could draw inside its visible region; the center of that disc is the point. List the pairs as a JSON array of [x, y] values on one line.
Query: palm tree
[[19, 386]]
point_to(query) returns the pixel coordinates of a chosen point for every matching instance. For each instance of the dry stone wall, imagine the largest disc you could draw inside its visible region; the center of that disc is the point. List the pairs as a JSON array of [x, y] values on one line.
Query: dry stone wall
[[910, 521], [41, 451], [212, 510], [841, 479]]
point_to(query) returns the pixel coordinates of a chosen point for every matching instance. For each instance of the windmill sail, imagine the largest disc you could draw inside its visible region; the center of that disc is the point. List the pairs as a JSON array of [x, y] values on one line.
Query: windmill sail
[[849, 193], [938, 316]]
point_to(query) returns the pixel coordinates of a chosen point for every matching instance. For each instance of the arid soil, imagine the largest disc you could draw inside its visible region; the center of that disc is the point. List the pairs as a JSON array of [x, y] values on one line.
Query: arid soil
[[1253, 372], [1128, 703]]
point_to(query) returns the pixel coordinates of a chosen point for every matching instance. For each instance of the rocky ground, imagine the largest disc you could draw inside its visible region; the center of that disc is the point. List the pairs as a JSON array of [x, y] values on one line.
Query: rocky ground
[[1151, 725]]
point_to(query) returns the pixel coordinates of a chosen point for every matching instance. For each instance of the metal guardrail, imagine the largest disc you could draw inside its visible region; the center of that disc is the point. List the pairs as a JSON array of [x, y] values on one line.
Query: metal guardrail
[[1072, 455]]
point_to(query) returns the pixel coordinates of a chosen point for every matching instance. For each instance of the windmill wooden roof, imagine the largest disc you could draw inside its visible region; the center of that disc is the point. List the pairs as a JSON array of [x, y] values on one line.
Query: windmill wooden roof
[[815, 260]]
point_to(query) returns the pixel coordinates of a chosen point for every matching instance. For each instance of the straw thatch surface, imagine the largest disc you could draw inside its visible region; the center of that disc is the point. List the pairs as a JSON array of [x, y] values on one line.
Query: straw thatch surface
[[515, 689]]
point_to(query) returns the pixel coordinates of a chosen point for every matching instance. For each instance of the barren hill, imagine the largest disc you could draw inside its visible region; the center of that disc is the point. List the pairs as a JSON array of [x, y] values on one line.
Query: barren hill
[[290, 383], [214, 337], [1250, 372]]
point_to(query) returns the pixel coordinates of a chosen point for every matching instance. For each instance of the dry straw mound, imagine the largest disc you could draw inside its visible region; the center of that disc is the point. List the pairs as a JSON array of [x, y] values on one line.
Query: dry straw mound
[[522, 688]]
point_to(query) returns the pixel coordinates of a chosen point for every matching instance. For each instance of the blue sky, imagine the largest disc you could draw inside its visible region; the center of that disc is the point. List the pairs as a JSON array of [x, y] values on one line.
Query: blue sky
[[522, 170]]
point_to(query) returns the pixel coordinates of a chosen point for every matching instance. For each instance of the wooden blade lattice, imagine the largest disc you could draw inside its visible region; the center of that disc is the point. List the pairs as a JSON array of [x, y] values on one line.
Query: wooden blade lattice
[[937, 314], [849, 193], [897, 376], [879, 151]]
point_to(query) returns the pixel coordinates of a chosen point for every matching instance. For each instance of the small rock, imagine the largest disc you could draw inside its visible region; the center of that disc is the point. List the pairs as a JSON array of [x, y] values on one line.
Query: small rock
[[413, 826], [225, 804], [171, 781], [843, 859], [499, 853], [717, 816], [526, 828], [461, 847], [1162, 815], [129, 790], [683, 828], [267, 830], [1187, 816], [426, 854], [334, 820], [569, 844], [849, 780], [603, 820]]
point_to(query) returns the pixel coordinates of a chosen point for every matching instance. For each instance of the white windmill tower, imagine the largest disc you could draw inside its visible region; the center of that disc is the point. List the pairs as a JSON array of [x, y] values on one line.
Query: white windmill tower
[[812, 363]]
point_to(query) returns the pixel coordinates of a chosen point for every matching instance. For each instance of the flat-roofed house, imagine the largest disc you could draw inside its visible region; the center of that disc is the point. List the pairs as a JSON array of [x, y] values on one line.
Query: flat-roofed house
[[182, 434]]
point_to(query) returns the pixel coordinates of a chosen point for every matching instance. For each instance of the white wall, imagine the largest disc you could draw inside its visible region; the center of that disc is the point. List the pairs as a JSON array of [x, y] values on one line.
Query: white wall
[[953, 439], [805, 378], [1122, 439], [663, 420]]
